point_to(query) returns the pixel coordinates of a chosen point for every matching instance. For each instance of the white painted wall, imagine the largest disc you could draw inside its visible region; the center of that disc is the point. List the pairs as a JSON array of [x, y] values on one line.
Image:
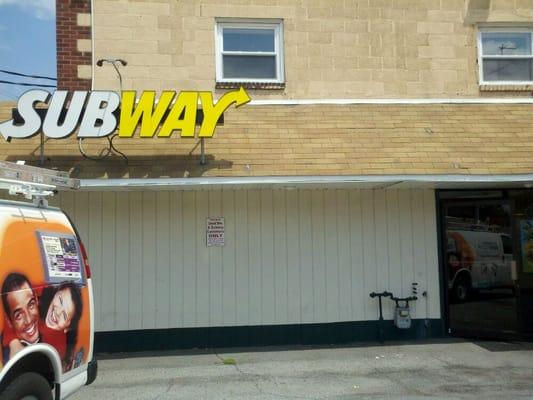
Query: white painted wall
[[291, 256]]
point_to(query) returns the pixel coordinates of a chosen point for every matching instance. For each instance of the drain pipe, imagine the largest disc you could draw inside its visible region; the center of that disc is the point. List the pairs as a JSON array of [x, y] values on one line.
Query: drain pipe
[[92, 46]]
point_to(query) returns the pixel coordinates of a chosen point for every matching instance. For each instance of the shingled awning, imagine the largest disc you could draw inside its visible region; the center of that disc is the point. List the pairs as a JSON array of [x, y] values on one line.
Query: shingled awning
[[480, 137]]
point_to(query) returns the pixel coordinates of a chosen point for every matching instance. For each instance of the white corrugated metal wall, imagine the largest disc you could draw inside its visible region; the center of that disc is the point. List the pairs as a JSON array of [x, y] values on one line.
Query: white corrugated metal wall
[[291, 256]]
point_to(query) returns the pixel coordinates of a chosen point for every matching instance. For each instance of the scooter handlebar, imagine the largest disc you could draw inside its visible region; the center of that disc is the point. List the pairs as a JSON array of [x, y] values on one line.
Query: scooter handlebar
[[381, 294], [411, 298]]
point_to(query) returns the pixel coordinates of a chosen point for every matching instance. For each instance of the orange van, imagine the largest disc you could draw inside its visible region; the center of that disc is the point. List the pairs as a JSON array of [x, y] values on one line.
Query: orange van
[[46, 316]]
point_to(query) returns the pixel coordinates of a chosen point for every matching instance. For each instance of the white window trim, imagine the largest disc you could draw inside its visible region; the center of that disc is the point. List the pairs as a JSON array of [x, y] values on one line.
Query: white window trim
[[480, 57], [277, 25]]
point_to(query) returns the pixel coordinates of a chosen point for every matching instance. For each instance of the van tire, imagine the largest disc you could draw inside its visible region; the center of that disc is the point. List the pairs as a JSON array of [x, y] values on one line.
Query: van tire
[[462, 289], [29, 385]]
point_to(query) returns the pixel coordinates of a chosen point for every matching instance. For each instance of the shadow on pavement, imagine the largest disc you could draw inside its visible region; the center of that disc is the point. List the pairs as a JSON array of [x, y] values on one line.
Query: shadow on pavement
[[504, 346], [262, 349]]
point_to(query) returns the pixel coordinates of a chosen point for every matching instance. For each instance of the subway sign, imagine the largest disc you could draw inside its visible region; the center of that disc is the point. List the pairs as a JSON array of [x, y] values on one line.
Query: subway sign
[[98, 113]]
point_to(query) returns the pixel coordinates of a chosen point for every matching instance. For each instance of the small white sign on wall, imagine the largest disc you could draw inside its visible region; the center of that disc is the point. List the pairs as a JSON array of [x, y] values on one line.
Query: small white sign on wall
[[215, 231]]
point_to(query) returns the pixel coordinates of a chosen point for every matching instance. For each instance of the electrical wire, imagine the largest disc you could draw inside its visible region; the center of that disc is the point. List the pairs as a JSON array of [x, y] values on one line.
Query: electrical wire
[[111, 147], [103, 154], [106, 152], [27, 76], [27, 84], [117, 150]]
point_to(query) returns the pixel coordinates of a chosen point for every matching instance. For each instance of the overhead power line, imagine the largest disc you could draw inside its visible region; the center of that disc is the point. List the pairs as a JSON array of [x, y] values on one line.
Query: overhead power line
[[27, 76], [27, 84]]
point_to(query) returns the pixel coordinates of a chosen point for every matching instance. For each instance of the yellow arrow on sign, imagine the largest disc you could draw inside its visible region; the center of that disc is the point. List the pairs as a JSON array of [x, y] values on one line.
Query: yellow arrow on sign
[[212, 112]]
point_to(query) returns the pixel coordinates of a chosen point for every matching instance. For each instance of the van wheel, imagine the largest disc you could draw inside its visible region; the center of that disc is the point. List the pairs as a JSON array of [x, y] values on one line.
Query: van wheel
[[28, 386], [461, 289]]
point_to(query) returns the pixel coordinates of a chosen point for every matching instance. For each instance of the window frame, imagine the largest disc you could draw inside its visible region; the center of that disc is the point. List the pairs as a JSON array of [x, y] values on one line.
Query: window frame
[[276, 25], [481, 57]]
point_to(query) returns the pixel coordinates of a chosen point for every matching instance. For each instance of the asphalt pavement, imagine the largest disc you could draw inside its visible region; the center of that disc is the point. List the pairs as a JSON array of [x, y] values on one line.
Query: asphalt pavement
[[450, 369]]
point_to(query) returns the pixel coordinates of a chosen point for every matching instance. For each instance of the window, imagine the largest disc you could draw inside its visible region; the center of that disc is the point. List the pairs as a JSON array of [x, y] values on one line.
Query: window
[[249, 51], [506, 56], [507, 244]]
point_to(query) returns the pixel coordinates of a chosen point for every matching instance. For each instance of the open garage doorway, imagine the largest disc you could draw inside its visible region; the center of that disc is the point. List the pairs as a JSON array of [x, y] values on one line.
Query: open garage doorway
[[478, 258]]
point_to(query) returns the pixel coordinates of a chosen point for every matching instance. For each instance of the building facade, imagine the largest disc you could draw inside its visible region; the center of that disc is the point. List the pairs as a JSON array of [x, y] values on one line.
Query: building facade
[[373, 126]]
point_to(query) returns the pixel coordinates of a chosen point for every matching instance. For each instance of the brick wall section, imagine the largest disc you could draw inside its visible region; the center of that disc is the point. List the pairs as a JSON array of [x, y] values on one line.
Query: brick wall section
[[68, 32], [372, 139]]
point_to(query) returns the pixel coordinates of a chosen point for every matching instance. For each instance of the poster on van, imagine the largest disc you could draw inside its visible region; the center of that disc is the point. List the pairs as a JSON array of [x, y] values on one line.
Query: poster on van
[[526, 245], [61, 256], [45, 297]]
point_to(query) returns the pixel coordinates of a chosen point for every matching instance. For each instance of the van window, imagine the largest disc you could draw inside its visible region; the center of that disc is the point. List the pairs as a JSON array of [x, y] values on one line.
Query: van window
[[507, 244], [495, 215], [451, 245], [486, 248], [462, 212]]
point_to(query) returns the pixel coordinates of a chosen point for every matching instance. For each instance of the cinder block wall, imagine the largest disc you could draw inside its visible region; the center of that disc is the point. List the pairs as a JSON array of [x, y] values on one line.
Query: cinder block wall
[[333, 48]]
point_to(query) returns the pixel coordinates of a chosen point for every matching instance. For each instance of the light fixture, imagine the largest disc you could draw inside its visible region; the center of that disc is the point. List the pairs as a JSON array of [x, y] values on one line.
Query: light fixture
[[113, 61]]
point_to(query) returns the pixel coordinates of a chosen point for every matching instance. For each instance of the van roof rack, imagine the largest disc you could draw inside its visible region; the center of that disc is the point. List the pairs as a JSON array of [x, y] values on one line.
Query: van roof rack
[[34, 183], [470, 225]]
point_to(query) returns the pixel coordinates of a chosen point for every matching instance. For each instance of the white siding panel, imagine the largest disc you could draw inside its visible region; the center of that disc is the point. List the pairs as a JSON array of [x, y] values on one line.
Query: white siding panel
[[177, 240], [280, 257], [331, 256], [381, 244], [81, 213], [96, 259], [266, 249], [189, 259], [432, 283], [136, 286], [67, 203], [344, 260], [294, 278], [370, 268], [203, 283], [229, 299], [393, 241], [254, 257], [318, 257], [291, 256], [406, 240], [122, 261], [419, 248], [358, 295], [162, 268], [108, 282], [149, 260], [306, 257], [242, 267]]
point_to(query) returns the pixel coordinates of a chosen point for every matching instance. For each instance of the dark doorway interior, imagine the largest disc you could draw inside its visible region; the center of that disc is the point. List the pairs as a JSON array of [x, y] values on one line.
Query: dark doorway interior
[[478, 250], [522, 201]]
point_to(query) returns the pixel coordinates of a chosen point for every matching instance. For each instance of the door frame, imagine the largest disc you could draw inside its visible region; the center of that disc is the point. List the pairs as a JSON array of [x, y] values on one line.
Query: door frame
[[444, 273]]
